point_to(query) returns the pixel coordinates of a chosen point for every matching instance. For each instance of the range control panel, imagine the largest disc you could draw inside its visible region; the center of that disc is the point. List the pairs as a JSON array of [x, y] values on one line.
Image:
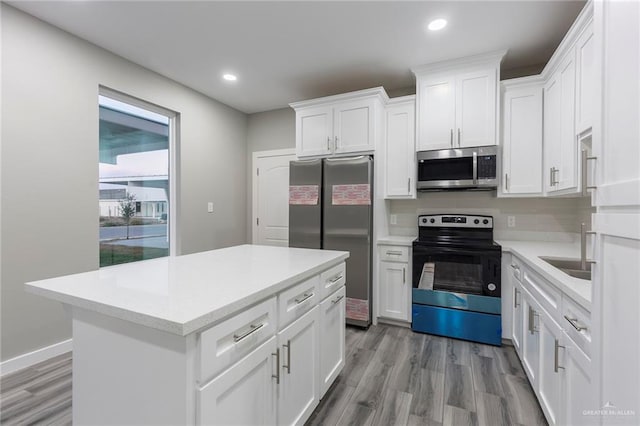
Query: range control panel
[[455, 221]]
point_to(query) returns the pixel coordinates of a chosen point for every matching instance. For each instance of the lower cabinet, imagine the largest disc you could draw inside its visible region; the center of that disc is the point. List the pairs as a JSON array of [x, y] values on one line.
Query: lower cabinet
[[395, 298], [579, 397], [298, 370], [516, 316], [550, 374], [332, 338], [245, 394], [531, 338]]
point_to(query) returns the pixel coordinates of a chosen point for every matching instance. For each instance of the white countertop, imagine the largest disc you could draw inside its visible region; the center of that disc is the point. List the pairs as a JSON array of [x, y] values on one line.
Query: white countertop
[[397, 240], [185, 293], [529, 251]]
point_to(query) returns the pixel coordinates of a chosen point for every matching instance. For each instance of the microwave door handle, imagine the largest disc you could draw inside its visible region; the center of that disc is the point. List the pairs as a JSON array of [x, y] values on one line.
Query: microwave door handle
[[475, 168]]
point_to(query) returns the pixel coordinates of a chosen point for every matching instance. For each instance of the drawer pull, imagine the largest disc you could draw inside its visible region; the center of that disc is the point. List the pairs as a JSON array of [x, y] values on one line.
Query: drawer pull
[[515, 266], [336, 279], [574, 323], [288, 364], [394, 253], [556, 362], [305, 296], [277, 375], [252, 329], [515, 298], [339, 298]]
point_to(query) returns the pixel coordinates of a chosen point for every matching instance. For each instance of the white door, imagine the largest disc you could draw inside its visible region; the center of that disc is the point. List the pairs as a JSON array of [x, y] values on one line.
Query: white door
[[299, 369], [400, 160], [245, 394], [332, 335], [476, 109], [522, 138], [579, 395], [271, 199], [314, 131], [354, 126], [516, 317], [568, 174], [394, 289], [436, 109], [551, 373]]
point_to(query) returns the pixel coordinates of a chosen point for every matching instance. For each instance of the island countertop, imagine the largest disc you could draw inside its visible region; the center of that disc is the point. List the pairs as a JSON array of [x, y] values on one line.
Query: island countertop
[[183, 294]]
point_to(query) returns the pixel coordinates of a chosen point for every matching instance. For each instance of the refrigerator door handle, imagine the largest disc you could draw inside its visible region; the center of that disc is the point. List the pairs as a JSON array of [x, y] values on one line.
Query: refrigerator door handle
[[336, 160]]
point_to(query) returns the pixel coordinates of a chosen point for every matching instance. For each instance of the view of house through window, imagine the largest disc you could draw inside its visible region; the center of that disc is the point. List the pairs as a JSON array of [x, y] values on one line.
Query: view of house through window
[[134, 183]]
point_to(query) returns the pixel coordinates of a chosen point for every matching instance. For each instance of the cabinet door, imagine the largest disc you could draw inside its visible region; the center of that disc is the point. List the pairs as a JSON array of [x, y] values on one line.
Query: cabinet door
[[585, 79], [395, 291], [436, 112], [579, 392], [522, 138], [530, 338], [476, 109], [299, 369], [568, 163], [332, 335], [400, 156], [314, 131], [552, 131], [517, 317], [354, 126], [245, 394], [551, 373]]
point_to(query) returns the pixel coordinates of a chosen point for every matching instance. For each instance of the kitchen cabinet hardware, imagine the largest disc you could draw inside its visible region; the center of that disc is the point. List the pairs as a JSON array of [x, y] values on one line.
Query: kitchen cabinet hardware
[[514, 266], [252, 329], [404, 275], [556, 357], [583, 246], [515, 298], [458, 137], [277, 375], [574, 323], [336, 278], [328, 143], [305, 296], [451, 138], [288, 364], [506, 181], [394, 253], [408, 185], [337, 299], [336, 144], [532, 321], [585, 174]]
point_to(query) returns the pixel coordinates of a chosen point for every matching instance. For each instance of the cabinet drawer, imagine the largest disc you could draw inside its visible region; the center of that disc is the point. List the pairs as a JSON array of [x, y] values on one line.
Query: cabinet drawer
[[332, 279], [297, 300], [229, 341], [547, 295], [576, 321], [394, 253]]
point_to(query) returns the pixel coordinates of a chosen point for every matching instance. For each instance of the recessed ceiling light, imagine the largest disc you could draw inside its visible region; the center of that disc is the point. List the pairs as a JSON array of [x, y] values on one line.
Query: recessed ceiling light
[[437, 24], [230, 77]]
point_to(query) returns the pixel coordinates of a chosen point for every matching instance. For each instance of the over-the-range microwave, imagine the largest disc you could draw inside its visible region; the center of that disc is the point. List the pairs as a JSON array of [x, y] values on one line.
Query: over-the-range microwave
[[462, 168]]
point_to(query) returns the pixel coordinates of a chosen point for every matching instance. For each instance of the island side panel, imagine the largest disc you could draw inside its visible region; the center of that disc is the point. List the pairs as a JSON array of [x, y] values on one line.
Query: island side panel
[[125, 373]]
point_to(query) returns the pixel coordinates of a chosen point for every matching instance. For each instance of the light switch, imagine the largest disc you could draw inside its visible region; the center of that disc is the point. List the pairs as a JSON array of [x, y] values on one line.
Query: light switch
[[209, 207]]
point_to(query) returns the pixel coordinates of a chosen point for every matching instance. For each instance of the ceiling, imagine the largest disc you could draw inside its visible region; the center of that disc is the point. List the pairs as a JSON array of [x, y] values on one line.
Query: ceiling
[[289, 51]]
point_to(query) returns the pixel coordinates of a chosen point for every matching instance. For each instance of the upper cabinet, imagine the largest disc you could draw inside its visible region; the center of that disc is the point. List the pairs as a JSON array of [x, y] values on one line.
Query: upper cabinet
[[457, 102], [585, 79], [399, 151], [340, 124]]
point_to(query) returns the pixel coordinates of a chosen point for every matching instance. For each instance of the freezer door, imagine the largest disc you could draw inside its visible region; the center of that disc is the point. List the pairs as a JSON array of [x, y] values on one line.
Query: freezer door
[[347, 216], [305, 217]]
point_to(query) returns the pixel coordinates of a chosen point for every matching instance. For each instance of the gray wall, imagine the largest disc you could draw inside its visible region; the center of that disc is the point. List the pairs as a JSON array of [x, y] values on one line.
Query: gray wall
[[267, 131], [49, 167]]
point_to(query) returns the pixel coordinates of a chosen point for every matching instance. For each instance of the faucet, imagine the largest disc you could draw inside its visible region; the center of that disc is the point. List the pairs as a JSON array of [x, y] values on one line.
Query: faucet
[[583, 246]]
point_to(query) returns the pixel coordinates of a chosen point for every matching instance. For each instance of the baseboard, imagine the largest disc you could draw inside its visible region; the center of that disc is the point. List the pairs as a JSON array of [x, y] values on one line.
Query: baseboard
[[32, 358], [394, 322]]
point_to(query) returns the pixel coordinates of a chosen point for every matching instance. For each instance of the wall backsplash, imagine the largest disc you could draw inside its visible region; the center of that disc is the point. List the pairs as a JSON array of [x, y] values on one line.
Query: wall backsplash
[[551, 219]]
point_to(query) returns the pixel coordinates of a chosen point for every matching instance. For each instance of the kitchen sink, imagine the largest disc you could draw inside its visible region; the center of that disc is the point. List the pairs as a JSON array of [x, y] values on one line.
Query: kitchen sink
[[569, 266]]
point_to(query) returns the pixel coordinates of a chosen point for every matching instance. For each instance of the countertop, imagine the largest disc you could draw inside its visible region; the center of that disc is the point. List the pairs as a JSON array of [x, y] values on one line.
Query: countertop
[[529, 251], [183, 294], [397, 240]]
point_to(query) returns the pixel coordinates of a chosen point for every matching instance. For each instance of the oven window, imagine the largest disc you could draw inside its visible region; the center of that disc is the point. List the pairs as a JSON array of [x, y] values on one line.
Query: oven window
[[458, 274], [446, 169]]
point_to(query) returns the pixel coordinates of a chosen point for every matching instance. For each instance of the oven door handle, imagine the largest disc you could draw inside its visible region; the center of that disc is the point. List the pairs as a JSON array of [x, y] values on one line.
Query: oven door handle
[[428, 251]]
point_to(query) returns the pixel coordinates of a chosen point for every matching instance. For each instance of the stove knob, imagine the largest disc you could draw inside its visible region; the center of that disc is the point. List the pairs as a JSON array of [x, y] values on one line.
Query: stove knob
[[477, 221], [486, 221], [432, 220]]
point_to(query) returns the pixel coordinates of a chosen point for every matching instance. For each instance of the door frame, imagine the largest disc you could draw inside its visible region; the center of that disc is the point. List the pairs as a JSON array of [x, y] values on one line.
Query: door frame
[[257, 155]]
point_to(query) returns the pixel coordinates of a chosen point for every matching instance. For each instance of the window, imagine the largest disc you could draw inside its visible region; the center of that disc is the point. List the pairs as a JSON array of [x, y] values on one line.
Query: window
[[134, 180]]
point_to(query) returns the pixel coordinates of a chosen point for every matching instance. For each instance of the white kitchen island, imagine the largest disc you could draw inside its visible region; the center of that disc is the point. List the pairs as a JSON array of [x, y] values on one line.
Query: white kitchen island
[[243, 335]]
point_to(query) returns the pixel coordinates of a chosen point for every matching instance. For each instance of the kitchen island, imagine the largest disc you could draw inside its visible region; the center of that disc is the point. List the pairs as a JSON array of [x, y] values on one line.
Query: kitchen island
[[243, 335]]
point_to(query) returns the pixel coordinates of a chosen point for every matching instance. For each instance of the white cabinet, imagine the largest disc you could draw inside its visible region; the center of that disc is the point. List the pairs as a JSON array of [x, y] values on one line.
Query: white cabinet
[[340, 124], [400, 151], [578, 386], [550, 375], [522, 137], [457, 102], [531, 338], [394, 292], [517, 322], [245, 394], [299, 369], [585, 80], [332, 338]]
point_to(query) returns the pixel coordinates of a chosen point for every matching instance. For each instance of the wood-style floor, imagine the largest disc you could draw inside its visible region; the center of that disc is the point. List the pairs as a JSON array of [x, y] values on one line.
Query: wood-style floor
[[392, 376]]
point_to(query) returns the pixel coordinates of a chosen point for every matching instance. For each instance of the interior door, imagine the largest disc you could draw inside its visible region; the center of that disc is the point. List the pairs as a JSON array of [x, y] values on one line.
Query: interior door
[[271, 217]]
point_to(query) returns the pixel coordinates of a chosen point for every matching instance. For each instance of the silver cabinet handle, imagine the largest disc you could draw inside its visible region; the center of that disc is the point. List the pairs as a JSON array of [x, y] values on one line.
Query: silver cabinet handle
[[404, 275], [252, 329], [515, 298], [305, 296], [409, 185], [459, 136], [585, 159], [339, 298], [288, 364], [514, 266], [556, 363], [451, 138], [328, 143], [337, 145], [583, 246], [574, 323], [394, 253], [532, 322], [506, 181], [277, 375], [475, 165], [551, 176], [335, 279], [555, 176]]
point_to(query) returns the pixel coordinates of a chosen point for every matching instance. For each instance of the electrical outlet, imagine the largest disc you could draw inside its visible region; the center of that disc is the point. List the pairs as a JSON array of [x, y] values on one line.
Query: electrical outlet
[[511, 221], [393, 219], [209, 207]]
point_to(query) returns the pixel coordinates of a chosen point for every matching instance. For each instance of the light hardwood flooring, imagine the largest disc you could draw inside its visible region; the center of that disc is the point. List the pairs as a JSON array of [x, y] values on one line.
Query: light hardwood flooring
[[392, 376]]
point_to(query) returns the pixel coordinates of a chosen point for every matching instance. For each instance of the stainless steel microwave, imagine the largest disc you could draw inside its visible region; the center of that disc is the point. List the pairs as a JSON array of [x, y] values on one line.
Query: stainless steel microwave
[[463, 168]]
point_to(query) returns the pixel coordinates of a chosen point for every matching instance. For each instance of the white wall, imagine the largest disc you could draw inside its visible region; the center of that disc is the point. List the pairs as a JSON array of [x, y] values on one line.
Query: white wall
[[50, 83]]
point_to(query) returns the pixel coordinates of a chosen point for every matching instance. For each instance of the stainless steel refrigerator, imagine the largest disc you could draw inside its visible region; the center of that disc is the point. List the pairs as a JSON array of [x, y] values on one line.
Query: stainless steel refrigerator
[[331, 207]]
